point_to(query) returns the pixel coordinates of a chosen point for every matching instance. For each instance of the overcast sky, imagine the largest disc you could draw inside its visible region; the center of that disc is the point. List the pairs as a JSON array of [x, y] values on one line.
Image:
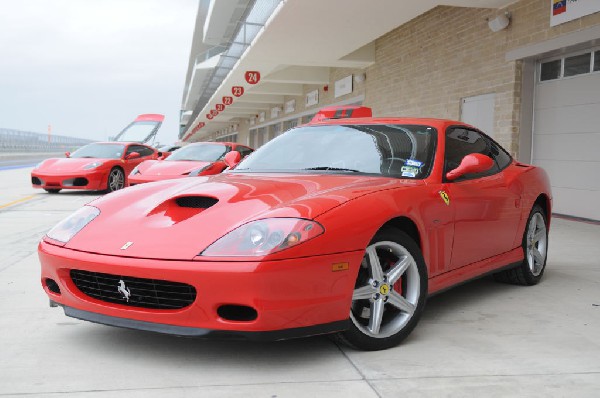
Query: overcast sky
[[89, 67]]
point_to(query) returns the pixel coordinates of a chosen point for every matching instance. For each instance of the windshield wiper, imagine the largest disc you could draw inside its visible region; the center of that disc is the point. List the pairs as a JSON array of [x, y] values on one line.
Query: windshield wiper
[[331, 168]]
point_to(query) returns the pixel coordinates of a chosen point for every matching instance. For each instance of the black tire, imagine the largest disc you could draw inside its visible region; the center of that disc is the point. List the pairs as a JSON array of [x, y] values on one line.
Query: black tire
[[526, 273], [116, 180], [400, 302], [52, 190]]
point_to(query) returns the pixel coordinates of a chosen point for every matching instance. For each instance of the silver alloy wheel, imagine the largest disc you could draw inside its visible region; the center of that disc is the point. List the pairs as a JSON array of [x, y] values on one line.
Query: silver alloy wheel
[[116, 180], [378, 309], [537, 243]]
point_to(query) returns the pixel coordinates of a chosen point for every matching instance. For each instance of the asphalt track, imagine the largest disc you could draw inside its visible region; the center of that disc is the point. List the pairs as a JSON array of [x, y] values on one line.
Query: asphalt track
[[481, 339]]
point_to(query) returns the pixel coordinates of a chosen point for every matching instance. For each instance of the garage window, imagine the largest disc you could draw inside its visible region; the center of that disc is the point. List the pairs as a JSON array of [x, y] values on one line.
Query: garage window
[[550, 70], [577, 64], [572, 65]]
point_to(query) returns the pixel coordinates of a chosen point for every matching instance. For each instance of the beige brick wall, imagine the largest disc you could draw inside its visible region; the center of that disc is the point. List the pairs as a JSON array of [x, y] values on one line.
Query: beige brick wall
[[425, 67]]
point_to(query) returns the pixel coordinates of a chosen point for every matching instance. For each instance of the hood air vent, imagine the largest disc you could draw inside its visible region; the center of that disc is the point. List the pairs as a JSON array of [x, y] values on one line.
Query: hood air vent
[[196, 202]]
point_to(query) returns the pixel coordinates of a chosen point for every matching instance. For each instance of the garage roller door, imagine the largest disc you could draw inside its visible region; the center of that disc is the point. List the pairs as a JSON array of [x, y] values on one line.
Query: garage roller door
[[566, 142]]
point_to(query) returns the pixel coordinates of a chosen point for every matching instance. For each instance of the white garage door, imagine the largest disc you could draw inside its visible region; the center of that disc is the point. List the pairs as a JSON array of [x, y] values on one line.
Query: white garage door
[[566, 137]]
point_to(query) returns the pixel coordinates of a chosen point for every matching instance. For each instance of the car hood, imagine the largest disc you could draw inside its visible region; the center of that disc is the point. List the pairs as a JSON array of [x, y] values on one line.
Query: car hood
[[170, 167], [57, 165], [158, 221]]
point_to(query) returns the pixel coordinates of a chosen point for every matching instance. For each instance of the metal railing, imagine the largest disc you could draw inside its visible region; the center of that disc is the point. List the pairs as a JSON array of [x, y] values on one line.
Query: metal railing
[[27, 141]]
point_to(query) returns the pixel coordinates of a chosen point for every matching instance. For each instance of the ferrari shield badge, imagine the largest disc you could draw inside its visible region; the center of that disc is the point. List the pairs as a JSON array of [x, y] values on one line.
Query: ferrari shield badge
[[445, 197]]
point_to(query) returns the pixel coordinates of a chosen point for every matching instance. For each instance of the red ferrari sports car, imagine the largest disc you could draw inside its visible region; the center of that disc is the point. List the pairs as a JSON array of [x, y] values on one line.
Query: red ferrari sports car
[[339, 226], [98, 166], [199, 159]]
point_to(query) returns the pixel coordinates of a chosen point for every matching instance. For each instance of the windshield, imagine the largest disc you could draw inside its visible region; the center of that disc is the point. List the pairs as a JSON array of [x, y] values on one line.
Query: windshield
[[405, 151], [103, 151], [137, 131], [200, 152]]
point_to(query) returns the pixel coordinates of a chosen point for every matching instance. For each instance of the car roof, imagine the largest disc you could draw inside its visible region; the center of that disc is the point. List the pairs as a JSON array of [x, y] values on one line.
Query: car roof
[[387, 120]]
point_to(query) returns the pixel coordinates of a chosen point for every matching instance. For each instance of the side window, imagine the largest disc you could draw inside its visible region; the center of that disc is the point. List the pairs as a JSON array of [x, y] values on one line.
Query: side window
[[244, 151], [142, 150], [145, 151], [461, 142]]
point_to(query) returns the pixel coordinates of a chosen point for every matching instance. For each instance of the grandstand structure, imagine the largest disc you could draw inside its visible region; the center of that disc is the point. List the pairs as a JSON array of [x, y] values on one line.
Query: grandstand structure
[[26, 141]]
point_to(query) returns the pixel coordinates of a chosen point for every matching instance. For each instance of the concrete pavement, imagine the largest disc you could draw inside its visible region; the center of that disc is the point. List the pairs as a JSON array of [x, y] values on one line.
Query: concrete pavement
[[479, 339]]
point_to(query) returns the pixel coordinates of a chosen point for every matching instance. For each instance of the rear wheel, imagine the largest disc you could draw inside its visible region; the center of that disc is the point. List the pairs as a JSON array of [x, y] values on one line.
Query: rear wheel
[[116, 180], [52, 190], [535, 248], [389, 294]]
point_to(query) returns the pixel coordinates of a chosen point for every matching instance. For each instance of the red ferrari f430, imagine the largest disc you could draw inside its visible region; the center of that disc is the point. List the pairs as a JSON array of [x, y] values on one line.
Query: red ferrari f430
[[344, 225]]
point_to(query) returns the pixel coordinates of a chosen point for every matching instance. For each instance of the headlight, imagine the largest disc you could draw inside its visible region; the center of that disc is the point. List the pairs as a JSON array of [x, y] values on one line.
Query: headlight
[[196, 173], [136, 170], [68, 228], [93, 165], [262, 237]]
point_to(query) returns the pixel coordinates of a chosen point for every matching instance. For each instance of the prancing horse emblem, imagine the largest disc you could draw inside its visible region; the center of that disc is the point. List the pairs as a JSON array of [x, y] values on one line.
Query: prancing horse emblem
[[124, 290]]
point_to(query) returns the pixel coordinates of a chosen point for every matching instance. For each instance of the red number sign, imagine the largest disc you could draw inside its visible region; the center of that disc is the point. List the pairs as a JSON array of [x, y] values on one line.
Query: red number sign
[[252, 77], [227, 100], [220, 107], [238, 91], [209, 116], [214, 112], [200, 125]]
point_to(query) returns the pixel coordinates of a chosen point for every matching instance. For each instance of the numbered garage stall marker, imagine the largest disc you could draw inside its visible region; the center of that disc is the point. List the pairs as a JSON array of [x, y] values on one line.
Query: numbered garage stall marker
[[227, 100], [252, 76], [220, 107], [209, 116], [214, 112], [237, 91]]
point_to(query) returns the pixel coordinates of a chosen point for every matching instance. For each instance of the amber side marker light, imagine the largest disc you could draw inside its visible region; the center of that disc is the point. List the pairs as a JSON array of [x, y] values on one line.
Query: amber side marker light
[[339, 267]]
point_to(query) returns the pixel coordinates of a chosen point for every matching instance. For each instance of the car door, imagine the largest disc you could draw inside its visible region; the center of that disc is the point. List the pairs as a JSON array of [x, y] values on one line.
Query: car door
[[486, 209], [145, 154]]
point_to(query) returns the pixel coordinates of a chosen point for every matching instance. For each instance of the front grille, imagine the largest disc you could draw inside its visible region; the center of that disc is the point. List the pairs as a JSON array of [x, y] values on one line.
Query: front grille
[[145, 293], [80, 182]]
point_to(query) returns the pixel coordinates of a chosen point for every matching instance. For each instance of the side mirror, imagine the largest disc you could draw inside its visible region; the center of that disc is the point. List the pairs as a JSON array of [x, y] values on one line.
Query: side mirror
[[472, 163], [232, 159], [162, 156], [68, 154], [132, 155]]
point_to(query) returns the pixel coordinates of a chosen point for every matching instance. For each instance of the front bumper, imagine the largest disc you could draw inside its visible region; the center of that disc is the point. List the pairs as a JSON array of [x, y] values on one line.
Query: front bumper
[[93, 180], [292, 298]]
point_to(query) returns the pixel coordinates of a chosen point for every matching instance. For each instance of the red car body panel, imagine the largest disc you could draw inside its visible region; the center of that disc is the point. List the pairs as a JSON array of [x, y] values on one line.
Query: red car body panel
[[59, 173], [158, 170], [304, 285], [161, 169]]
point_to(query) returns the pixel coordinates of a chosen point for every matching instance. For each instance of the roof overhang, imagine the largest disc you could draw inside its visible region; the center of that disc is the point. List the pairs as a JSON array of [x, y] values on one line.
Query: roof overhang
[[299, 44]]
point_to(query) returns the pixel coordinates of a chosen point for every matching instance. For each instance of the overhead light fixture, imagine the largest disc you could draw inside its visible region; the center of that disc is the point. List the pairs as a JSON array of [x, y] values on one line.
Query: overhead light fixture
[[360, 77], [500, 22]]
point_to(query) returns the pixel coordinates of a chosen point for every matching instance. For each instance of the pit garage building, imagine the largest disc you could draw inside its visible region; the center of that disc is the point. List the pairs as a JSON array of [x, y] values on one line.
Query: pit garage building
[[525, 72]]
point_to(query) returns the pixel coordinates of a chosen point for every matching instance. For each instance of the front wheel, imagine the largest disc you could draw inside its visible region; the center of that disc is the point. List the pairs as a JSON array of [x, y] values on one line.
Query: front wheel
[[535, 249], [389, 294], [116, 180]]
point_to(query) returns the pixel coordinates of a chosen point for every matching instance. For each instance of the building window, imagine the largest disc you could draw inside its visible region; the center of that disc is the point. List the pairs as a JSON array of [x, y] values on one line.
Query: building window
[[290, 124], [577, 64], [597, 61], [550, 70], [307, 118]]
